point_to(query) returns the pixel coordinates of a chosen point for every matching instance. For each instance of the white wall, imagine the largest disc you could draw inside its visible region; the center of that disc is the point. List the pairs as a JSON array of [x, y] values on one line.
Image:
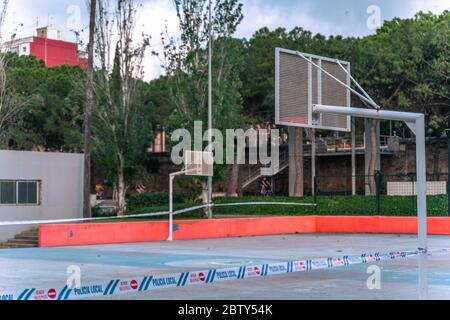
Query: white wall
[[61, 177], [408, 188]]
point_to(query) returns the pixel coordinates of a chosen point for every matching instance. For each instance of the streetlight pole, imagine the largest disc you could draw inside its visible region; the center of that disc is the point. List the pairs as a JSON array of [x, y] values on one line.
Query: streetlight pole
[[210, 105], [447, 132]]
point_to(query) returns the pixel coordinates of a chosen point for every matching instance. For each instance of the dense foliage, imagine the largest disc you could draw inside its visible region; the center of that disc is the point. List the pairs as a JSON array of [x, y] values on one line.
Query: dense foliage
[[326, 205], [144, 201], [405, 65], [52, 117]]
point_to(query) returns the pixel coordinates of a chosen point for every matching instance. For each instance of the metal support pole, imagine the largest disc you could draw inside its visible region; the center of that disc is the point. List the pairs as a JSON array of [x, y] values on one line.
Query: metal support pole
[[448, 171], [416, 122], [423, 276], [210, 181], [313, 159], [348, 87], [378, 191], [292, 168], [421, 187], [356, 83], [315, 193], [421, 181], [171, 177], [353, 157]]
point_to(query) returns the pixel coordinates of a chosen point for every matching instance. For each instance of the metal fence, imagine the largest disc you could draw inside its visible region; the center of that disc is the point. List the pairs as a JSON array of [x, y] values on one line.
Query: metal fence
[[380, 194]]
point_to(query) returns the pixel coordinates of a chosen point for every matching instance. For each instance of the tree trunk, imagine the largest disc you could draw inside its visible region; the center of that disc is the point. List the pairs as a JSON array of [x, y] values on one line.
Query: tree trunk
[[88, 115], [239, 189], [205, 195], [373, 156], [298, 157], [121, 193], [233, 180]]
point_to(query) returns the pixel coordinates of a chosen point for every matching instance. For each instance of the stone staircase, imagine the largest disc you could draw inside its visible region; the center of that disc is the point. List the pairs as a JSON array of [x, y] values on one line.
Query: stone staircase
[[255, 172], [26, 239]]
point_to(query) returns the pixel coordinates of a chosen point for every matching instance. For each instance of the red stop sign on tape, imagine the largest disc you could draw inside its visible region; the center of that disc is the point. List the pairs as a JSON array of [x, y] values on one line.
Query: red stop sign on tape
[[134, 284], [51, 293], [201, 276]]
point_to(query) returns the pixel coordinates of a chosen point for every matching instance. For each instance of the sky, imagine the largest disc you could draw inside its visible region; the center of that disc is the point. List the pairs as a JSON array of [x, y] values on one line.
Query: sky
[[329, 17]]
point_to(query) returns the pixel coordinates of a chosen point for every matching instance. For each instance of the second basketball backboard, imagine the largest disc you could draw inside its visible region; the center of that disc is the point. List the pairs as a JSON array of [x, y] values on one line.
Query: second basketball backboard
[[303, 80], [199, 163]]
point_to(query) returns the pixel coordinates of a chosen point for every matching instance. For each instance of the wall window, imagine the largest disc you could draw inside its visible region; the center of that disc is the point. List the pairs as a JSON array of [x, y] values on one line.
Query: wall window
[[27, 192], [19, 192], [7, 192]]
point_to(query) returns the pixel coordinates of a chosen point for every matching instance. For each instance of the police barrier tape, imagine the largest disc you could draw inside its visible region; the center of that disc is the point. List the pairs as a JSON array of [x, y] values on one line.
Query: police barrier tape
[[147, 215], [153, 282]]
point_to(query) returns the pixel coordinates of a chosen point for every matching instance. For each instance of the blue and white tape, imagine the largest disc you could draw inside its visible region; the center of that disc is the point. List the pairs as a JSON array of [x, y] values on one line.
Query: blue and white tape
[[148, 215], [153, 282]]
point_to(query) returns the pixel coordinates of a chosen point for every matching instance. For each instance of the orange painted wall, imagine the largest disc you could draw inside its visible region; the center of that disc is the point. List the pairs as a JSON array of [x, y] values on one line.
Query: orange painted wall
[[223, 228], [127, 232], [101, 233], [339, 224]]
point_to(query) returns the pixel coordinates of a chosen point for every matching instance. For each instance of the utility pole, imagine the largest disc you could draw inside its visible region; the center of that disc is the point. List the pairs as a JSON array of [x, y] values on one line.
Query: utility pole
[[447, 132], [88, 114], [210, 105], [353, 120]]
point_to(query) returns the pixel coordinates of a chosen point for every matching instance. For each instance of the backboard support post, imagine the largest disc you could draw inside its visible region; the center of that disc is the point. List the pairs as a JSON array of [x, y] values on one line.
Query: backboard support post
[[196, 163], [302, 102], [353, 156], [171, 179], [415, 121], [346, 85], [313, 161]]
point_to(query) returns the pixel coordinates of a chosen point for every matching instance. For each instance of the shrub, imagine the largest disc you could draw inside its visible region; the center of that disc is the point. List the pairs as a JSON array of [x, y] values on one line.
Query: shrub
[[326, 205], [99, 213], [148, 200]]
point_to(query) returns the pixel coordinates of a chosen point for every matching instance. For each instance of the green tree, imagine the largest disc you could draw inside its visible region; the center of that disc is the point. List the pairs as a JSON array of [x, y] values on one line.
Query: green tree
[[62, 110], [186, 65], [157, 103], [121, 134], [11, 103], [405, 66], [52, 99]]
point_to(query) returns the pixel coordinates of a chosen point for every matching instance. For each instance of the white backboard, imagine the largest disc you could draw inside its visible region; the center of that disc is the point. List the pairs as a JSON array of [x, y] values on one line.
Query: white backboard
[[199, 163], [300, 84]]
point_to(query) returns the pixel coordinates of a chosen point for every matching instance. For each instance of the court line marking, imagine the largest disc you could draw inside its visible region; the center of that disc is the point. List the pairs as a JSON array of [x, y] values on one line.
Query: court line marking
[[139, 284]]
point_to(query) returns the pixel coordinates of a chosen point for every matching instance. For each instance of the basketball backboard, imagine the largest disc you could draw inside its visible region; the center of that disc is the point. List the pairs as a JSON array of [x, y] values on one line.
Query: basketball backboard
[[199, 163], [301, 81]]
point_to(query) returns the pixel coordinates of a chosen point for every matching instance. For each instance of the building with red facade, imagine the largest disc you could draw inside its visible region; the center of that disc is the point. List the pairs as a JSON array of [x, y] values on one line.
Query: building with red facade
[[48, 47]]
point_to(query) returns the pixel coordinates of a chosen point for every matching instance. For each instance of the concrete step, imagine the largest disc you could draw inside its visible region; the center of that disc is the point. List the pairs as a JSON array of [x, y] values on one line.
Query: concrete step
[[26, 237], [17, 245], [34, 233], [22, 241]]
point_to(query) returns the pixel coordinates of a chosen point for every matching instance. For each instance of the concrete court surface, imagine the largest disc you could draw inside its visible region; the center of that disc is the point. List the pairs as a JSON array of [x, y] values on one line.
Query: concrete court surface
[[23, 268]]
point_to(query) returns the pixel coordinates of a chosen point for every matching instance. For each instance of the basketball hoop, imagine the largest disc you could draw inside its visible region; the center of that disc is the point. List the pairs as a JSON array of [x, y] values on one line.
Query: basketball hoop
[[196, 164]]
